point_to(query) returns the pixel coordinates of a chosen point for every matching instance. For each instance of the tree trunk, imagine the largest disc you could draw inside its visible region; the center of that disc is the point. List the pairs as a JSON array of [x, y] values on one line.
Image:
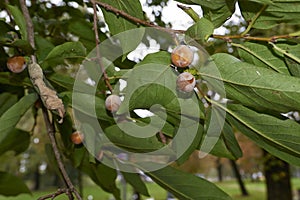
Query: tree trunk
[[277, 173], [219, 170], [239, 178]]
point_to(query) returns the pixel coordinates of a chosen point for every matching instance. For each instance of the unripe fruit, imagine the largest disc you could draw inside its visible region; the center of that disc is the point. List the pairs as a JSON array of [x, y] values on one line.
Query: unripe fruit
[[16, 64], [77, 137], [112, 103], [185, 82], [182, 56]]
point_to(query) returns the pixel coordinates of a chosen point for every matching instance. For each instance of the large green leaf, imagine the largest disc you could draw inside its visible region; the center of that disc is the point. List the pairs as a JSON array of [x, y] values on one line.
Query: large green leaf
[[64, 54], [11, 185], [256, 87], [6, 101], [127, 141], [118, 24], [280, 11], [186, 186], [17, 141], [227, 145], [12, 116], [280, 137], [261, 55], [19, 19], [200, 31]]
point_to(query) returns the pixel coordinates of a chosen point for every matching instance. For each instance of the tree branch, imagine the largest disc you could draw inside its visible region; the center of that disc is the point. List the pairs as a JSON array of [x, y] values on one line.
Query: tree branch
[[36, 75], [57, 193], [134, 19], [51, 134], [227, 38], [98, 59], [29, 26]]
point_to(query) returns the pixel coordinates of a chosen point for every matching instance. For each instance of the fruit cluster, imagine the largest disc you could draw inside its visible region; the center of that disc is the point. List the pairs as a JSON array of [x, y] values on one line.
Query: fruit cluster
[[182, 56]]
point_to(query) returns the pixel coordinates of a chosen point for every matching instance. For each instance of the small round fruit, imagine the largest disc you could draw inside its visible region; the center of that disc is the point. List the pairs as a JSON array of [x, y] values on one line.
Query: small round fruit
[[16, 64], [182, 56], [112, 103], [185, 82], [77, 137]]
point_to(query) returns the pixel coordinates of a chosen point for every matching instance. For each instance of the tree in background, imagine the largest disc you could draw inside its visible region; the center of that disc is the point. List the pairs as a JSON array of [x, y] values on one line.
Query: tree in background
[[77, 60]]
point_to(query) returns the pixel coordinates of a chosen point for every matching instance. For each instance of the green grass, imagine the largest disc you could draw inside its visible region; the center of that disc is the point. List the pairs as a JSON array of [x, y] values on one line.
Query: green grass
[[255, 189]]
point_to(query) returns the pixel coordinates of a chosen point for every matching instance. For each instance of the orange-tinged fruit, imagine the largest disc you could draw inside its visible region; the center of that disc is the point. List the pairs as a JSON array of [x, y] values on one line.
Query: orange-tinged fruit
[[185, 82], [112, 103], [77, 137], [16, 64], [182, 56]]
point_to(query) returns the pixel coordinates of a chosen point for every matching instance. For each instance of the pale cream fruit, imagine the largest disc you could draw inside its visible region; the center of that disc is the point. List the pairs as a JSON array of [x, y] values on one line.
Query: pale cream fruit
[[185, 82], [112, 103], [182, 56]]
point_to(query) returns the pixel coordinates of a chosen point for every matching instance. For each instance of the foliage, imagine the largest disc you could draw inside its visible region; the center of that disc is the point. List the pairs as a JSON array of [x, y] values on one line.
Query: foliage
[[260, 82]]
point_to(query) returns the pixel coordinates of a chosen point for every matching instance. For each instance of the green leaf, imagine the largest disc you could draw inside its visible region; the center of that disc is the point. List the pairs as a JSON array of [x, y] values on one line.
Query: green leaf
[[188, 137], [186, 186], [67, 82], [19, 19], [256, 87], [17, 141], [280, 11], [43, 47], [102, 175], [134, 179], [217, 11], [227, 145], [66, 129], [84, 30], [200, 31], [6, 101], [12, 116], [126, 139], [88, 104], [292, 52], [64, 54], [277, 136], [261, 55], [4, 28], [118, 24], [11, 185]]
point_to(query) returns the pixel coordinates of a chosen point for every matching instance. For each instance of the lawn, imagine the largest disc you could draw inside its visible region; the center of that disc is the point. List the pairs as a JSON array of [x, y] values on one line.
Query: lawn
[[255, 189]]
